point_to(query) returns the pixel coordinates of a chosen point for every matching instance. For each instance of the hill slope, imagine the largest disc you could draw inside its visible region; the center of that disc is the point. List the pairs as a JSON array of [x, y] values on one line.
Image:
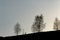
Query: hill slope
[[34, 36]]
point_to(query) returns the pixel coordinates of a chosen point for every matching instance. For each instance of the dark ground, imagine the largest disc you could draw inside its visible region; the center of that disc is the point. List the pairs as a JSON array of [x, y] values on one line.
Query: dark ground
[[35, 36]]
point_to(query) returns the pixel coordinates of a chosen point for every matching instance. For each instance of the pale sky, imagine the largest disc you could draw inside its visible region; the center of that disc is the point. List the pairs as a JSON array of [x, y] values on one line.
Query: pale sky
[[24, 12]]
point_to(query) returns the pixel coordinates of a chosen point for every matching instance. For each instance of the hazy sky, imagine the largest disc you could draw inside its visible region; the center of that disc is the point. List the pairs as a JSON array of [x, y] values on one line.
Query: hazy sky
[[24, 12]]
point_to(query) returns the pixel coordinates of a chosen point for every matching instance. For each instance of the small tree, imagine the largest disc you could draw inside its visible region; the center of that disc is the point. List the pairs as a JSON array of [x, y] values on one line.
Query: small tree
[[17, 28], [24, 32], [38, 25], [56, 24]]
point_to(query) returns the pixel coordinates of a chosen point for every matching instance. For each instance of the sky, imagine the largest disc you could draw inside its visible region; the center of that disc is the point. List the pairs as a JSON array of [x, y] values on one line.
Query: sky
[[24, 12]]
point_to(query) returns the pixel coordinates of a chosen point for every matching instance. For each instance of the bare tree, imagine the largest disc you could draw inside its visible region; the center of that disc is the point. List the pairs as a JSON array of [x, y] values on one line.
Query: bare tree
[[38, 25], [24, 32], [17, 28], [56, 24]]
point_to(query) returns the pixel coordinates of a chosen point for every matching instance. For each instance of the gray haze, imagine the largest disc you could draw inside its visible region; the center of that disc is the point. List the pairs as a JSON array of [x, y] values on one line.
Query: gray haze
[[24, 12]]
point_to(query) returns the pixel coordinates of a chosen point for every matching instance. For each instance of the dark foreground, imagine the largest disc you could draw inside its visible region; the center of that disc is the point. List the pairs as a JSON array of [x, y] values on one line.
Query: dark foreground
[[35, 36]]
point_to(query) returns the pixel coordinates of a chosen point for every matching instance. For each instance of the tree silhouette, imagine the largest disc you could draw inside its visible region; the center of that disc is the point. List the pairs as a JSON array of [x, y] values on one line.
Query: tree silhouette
[[38, 25], [17, 28], [24, 32], [56, 24]]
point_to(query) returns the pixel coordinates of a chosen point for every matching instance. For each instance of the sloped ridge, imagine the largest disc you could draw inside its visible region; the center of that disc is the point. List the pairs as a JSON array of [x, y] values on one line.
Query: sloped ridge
[[34, 36]]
